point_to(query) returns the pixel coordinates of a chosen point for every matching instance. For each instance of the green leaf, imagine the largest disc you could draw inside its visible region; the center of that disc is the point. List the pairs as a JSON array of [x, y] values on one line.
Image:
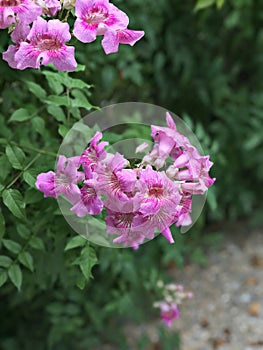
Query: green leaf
[[80, 68], [26, 259], [3, 277], [15, 275], [79, 84], [36, 89], [5, 167], [88, 259], [23, 231], [39, 125], [80, 100], [20, 115], [57, 113], [57, 100], [15, 203], [33, 196], [15, 156], [53, 82], [220, 3], [2, 226], [63, 130], [29, 178], [5, 261], [36, 243], [12, 246], [81, 282], [75, 242], [201, 4]]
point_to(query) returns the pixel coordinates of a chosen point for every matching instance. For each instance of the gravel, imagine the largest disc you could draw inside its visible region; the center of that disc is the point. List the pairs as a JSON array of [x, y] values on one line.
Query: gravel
[[226, 312]]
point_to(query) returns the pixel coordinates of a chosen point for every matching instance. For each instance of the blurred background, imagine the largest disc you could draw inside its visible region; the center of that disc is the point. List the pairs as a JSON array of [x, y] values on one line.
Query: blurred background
[[206, 66]]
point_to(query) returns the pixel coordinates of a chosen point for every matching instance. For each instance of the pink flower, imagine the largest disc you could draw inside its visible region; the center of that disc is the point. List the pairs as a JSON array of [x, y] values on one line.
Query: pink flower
[[49, 7], [168, 142], [112, 39], [125, 220], [191, 160], [89, 202], [23, 11], [94, 17], [182, 216], [121, 223], [172, 296], [64, 181], [142, 147], [194, 187], [94, 154], [114, 181], [159, 198], [204, 173], [46, 183], [66, 178], [18, 35], [46, 44], [169, 312]]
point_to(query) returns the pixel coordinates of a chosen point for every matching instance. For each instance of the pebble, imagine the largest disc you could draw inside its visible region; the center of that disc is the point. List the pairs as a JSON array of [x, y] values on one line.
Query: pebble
[[226, 312], [228, 298]]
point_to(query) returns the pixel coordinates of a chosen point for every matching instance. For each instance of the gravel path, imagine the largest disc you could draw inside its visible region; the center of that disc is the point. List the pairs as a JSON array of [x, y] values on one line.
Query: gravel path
[[226, 312]]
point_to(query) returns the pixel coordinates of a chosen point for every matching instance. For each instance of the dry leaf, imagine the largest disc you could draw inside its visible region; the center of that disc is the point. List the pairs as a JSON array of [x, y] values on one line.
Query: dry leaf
[[254, 309], [256, 261], [252, 281]]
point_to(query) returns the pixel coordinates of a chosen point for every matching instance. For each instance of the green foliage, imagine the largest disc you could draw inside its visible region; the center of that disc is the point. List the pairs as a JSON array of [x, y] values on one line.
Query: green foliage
[[28, 145], [204, 65], [202, 4]]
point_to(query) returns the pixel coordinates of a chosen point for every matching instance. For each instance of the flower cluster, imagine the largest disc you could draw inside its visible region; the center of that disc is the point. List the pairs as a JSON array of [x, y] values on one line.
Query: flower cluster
[[172, 295], [40, 33], [137, 200]]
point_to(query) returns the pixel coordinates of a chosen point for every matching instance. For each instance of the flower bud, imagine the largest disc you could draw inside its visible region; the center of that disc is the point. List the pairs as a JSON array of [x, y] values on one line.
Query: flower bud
[[68, 4]]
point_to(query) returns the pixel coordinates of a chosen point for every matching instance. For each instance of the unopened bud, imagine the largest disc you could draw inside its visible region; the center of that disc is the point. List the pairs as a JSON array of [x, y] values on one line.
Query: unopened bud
[[68, 4]]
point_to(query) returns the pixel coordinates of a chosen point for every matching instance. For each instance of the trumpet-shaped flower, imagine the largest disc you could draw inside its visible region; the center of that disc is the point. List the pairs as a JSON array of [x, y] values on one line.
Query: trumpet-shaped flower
[[138, 201], [168, 142], [18, 35], [94, 154], [114, 181], [89, 202], [64, 181], [23, 11], [126, 223], [182, 216], [46, 44], [46, 183], [112, 39], [156, 190], [121, 223], [49, 7], [94, 17], [159, 198], [169, 312], [172, 296]]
